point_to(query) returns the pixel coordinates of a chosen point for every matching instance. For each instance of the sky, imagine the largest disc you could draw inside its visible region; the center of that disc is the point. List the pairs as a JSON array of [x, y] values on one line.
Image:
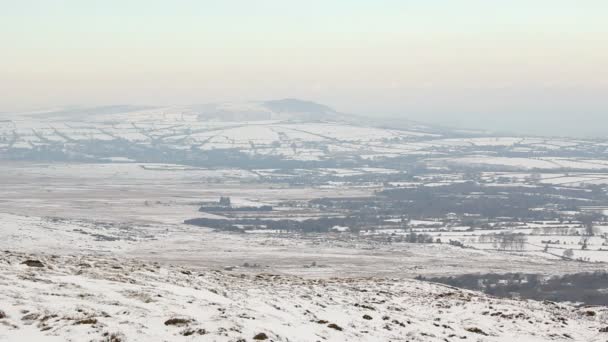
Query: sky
[[535, 65]]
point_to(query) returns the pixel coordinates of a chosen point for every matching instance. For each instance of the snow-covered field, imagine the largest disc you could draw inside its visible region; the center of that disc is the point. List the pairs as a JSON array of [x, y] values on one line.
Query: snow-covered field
[[183, 129], [261, 130], [556, 178], [133, 192], [118, 265], [136, 211], [342, 255]]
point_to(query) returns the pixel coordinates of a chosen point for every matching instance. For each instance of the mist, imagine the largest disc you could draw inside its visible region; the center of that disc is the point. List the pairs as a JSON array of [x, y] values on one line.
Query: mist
[[276, 170], [525, 68]]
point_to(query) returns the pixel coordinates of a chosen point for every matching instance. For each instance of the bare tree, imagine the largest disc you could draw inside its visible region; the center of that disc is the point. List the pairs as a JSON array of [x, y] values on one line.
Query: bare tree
[[587, 220], [583, 243], [504, 241]]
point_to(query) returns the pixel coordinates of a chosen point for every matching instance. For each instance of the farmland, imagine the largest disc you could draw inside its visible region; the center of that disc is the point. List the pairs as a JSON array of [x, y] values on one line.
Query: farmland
[[305, 198]]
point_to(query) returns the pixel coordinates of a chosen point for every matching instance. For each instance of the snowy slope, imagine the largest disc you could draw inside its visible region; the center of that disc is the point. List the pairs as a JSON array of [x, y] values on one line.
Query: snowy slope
[[78, 298]]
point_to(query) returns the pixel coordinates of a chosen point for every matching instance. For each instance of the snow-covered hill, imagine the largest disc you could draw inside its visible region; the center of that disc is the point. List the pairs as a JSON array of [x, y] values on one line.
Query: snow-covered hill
[[285, 109], [285, 129], [277, 134], [92, 298]]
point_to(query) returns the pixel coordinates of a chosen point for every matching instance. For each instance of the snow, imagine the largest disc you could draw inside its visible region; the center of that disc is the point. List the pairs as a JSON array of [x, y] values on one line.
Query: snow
[[266, 132], [123, 259], [529, 163], [136, 301]]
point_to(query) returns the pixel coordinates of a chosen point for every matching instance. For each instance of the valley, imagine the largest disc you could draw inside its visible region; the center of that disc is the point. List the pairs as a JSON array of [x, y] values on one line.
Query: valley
[[300, 195]]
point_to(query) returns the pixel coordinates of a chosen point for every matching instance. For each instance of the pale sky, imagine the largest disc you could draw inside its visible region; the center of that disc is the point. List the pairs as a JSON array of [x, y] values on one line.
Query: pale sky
[[470, 62]]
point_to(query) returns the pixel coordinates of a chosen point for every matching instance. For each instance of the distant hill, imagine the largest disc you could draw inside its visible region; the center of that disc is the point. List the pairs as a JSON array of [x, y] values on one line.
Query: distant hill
[[285, 109]]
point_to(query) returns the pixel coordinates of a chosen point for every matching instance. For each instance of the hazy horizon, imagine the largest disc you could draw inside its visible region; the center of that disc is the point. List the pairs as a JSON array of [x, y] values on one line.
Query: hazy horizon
[[320, 170], [531, 67]]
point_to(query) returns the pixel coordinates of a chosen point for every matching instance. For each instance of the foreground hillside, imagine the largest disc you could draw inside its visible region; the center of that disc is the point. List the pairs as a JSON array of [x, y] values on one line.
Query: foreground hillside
[[82, 298]]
